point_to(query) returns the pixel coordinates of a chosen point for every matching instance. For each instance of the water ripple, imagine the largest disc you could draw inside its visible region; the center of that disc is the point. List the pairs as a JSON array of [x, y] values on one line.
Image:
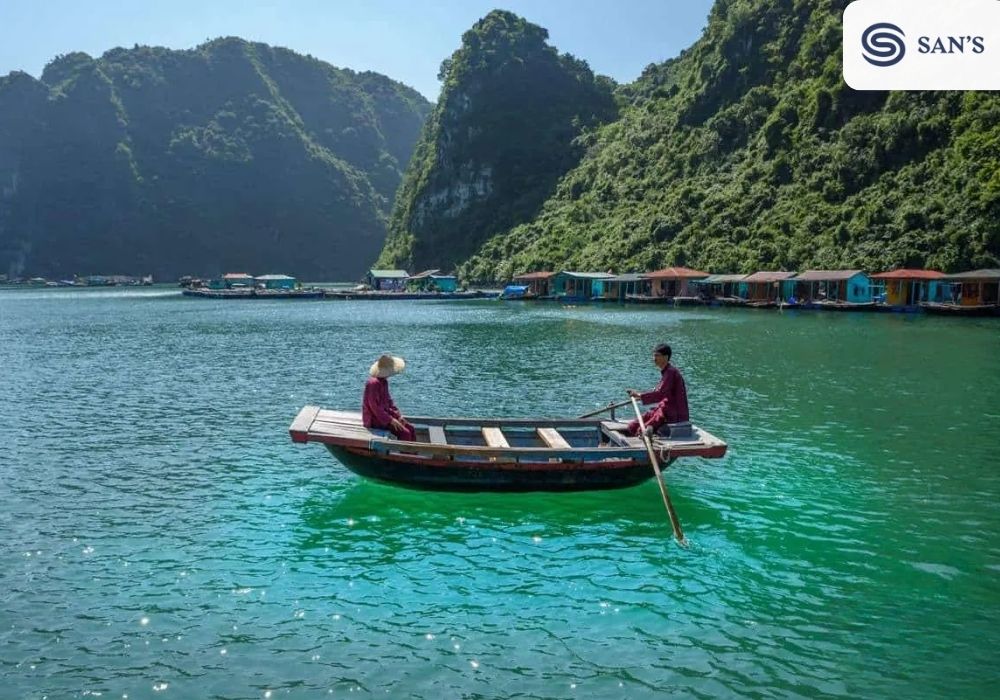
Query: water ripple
[[164, 539]]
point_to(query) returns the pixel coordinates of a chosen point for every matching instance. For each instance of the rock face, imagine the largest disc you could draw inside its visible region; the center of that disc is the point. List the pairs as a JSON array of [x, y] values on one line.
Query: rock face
[[503, 132], [230, 156]]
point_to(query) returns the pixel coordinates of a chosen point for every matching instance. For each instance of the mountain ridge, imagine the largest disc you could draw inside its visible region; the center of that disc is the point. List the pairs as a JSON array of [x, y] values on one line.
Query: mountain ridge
[[748, 151], [233, 154]]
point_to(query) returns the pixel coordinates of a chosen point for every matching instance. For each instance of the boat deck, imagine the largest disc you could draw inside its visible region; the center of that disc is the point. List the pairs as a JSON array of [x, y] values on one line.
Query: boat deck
[[514, 439]]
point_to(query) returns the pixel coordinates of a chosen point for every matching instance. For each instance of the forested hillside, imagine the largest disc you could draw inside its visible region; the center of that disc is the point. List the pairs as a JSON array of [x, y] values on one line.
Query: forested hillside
[[496, 144], [230, 156], [747, 151]]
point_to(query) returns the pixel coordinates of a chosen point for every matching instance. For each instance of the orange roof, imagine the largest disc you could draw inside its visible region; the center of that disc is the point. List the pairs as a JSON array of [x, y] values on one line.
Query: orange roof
[[534, 276], [675, 273], [909, 275]]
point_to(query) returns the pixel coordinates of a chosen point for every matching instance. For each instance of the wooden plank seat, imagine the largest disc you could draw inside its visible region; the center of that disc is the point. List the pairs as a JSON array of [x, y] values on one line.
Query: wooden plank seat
[[435, 433], [552, 438], [328, 428], [677, 430], [495, 438], [681, 430], [345, 417]]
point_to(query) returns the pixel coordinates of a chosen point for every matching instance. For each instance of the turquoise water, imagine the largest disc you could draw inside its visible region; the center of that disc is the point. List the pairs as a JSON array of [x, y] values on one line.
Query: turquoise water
[[162, 537]]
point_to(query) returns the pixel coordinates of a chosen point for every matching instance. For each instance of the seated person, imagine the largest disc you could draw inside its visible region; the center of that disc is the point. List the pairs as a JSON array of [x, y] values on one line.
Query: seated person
[[670, 397], [377, 407]]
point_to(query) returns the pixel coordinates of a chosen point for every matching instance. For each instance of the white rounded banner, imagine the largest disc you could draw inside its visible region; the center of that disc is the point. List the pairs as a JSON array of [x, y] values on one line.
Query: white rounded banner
[[922, 45]]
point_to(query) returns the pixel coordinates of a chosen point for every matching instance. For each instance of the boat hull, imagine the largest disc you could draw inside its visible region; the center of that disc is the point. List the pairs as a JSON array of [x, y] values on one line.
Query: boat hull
[[845, 306], [960, 310], [442, 475], [500, 454]]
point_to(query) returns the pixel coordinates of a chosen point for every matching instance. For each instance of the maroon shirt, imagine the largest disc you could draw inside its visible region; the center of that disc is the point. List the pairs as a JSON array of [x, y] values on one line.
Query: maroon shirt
[[377, 408], [671, 395]]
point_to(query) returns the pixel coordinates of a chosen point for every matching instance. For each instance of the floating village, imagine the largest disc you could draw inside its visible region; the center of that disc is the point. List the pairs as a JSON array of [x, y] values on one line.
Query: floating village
[[973, 293], [80, 281]]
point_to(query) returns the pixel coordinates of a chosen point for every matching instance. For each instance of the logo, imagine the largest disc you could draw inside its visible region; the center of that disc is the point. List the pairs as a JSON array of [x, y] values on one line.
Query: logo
[[951, 44], [956, 49], [882, 44]]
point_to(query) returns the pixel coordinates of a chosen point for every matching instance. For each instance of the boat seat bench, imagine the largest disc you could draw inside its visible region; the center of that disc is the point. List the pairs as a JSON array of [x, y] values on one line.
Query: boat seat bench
[[495, 438], [552, 438], [436, 435]]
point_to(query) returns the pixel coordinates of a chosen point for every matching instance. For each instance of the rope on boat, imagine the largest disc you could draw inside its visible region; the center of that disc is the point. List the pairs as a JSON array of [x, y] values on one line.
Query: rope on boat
[[665, 456]]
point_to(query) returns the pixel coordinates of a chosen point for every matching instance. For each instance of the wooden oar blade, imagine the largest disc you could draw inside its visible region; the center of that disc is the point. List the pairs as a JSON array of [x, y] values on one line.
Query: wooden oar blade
[[675, 522]]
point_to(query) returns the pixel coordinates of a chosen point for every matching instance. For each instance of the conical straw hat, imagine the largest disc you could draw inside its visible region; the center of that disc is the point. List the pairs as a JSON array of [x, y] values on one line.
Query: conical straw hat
[[387, 366]]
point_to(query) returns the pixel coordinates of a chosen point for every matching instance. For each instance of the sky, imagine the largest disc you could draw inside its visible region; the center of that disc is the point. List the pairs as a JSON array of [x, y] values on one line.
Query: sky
[[404, 40]]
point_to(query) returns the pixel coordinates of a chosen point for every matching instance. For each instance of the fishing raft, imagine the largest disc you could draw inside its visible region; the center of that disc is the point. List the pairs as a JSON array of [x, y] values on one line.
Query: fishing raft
[[503, 454]]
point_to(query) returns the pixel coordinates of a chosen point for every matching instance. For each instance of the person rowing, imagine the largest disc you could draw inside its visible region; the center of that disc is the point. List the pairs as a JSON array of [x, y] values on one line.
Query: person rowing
[[670, 397]]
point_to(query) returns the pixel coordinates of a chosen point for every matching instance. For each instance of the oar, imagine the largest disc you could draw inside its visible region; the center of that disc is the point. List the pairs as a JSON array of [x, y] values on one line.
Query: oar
[[674, 522], [609, 407]]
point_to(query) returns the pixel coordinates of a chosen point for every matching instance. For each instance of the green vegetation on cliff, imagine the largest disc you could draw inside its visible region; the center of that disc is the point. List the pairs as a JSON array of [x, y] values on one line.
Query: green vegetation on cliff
[[495, 145], [230, 156], [748, 152]]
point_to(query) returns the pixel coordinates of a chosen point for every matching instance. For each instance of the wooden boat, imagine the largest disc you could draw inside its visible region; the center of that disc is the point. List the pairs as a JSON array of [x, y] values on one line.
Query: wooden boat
[[690, 301], [646, 299], [829, 305], [948, 309], [470, 454]]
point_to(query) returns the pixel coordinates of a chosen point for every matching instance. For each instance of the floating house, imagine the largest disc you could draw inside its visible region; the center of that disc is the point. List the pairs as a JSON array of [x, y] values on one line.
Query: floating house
[[276, 282], [974, 289], [905, 290], [723, 286], [237, 279], [536, 282], [619, 287], [432, 281], [232, 280], [387, 280], [444, 283], [767, 288], [576, 286], [819, 287], [673, 282]]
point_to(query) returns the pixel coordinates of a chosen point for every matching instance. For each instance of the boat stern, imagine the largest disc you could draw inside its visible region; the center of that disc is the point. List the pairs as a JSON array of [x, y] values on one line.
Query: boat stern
[[299, 429]]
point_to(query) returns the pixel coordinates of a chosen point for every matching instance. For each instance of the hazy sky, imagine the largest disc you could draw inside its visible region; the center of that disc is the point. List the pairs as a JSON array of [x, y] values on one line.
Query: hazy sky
[[405, 40]]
